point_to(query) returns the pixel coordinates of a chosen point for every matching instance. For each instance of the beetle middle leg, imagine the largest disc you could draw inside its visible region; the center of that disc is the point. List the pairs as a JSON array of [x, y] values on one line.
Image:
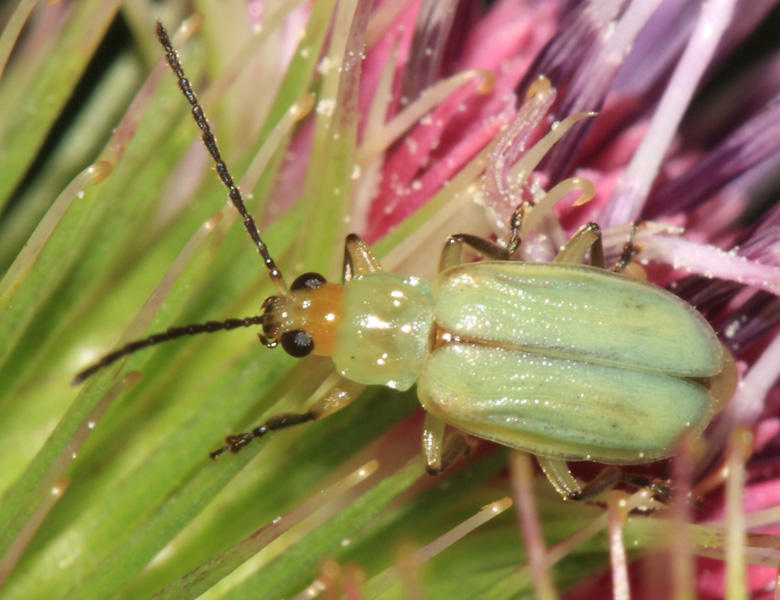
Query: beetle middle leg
[[336, 397], [440, 452]]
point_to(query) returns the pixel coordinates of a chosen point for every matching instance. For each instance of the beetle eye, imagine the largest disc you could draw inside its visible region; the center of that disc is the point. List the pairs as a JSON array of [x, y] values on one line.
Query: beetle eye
[[297, 343], [307, 281]]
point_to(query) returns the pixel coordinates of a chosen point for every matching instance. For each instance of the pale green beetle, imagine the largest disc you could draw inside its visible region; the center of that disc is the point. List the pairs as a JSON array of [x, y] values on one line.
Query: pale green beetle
[[563, 360]]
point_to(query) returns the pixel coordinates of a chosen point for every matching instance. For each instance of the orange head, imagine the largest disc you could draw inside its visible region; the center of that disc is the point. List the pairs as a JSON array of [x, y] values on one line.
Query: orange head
[[305, 320]]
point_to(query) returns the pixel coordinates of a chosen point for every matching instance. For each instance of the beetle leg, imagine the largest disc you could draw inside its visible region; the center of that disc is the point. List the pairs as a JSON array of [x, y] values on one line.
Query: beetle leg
[[605, 480], [358, 258], [609, 477], [452, 253], [723, 385], [440, 451], [658, 487], [587, 236], [630, 250], [335, 398], [560, 477]]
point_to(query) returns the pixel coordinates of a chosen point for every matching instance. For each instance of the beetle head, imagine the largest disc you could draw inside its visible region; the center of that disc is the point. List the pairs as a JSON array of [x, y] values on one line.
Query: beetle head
[[304, 320]]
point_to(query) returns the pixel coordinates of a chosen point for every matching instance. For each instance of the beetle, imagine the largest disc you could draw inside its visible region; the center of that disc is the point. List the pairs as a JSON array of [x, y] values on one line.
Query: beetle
[[565, 360]]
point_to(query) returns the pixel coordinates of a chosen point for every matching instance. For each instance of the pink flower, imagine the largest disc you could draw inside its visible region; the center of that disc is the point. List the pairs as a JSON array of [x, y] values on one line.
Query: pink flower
[[424, 126], [674, 144]]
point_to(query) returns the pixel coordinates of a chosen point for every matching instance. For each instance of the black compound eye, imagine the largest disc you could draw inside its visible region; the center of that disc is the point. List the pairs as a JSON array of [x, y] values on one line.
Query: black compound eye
[[297, 343], [307, 281]]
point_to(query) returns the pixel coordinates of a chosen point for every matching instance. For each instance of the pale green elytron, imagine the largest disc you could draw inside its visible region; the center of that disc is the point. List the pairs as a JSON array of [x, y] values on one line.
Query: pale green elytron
[[563, 360]]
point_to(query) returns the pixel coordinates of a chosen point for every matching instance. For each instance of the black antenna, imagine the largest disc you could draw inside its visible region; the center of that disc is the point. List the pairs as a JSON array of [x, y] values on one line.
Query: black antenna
[[249, 224], [158, 338], [211, 145]]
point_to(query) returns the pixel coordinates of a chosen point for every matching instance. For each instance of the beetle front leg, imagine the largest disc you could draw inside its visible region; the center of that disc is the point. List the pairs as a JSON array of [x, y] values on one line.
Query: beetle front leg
[[452, 253], [358, 258], [440, 452], [336, 397]]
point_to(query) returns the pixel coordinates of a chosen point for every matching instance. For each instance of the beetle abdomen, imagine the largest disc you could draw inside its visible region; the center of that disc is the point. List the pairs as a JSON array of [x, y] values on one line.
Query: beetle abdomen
[[576, 312], [561, 407]]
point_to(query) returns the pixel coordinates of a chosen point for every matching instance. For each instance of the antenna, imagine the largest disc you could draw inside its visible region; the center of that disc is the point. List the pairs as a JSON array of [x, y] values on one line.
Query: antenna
[[249, 224], [211, 145], [158, 338]]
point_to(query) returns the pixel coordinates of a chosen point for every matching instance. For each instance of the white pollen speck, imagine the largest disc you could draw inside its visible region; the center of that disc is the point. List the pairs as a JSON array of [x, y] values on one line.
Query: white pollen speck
[[326, 64], [731, 329], [326, 106]]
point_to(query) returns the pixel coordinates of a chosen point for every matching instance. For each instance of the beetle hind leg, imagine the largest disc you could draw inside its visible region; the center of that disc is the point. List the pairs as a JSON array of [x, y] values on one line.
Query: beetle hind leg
[[557, 472], [442, 451]]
